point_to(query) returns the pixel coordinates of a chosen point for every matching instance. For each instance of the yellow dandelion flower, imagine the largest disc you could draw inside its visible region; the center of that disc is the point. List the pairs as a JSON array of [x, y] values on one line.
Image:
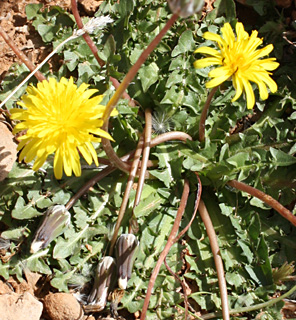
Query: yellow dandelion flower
[[62, 119], [240, 60]]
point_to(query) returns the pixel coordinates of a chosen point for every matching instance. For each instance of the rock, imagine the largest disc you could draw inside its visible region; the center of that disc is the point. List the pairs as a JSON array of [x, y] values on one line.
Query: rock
[[7, 151], [15, 306], [90, 6], [4, 287], [62, 306]]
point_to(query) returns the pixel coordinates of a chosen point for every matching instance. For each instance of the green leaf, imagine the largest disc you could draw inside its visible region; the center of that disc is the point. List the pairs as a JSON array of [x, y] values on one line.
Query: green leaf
[[125, 8], [47, 32], [23, 211], [71, 59], [32, 10], [281, 158], [185, 43], [148, 75], [65, 248], [151, 203]]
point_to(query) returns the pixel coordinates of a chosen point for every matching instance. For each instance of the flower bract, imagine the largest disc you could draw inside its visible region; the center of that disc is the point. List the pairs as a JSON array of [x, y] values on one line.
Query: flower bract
[[60, 118], [240, 60]]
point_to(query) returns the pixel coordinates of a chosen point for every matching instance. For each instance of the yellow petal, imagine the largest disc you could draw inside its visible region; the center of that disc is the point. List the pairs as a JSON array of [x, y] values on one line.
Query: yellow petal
[[250, 97], [213, 36], [209, 51], [227, 33], [206, 62], [220, 72], [58, 164], [216, 81], [238, 85]]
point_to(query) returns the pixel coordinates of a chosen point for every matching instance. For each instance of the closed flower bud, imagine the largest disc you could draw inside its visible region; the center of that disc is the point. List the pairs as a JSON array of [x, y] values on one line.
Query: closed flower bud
[[55, 220], [126, 246], [105, 277], [185, 8]]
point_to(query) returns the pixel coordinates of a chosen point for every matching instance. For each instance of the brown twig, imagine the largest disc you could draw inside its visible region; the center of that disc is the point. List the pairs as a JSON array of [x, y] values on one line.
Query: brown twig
[[94, 50], [166, 249], [204, 113], [128, 188], [30, 65], [217, 257], [287, 214]]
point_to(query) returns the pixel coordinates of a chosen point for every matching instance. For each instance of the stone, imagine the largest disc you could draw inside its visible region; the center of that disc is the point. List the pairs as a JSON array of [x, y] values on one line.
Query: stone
[[62, 306], [8, 151], [24, 306]]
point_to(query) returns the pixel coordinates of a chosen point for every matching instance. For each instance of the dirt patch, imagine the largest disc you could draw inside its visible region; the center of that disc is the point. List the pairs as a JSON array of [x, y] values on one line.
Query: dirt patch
[[14, 22]]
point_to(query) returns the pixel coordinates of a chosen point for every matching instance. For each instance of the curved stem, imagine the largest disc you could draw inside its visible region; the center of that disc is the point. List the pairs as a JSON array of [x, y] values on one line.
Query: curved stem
[[217, 257], [174, 135], [94, 49], [166, 249], [204, 113], [128, 188], [121, 89], [146, 152], [196, 205], [287, 214], [30, 65]]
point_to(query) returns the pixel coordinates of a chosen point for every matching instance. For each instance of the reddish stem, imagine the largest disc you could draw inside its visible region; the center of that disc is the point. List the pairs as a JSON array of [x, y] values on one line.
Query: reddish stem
[[145, 157], [129, 185], [217, 257], [196, 205], [166, 249], [265, 198], [30, 65], [203, 116]]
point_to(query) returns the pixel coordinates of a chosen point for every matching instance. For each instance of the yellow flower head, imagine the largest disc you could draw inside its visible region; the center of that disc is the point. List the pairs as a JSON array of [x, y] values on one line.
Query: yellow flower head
[[62, 119], [239, 58]]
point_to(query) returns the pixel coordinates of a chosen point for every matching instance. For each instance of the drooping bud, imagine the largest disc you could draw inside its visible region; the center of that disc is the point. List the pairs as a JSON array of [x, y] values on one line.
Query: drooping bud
[[55, 220], [126, 246], [105, 277], [185, 8]]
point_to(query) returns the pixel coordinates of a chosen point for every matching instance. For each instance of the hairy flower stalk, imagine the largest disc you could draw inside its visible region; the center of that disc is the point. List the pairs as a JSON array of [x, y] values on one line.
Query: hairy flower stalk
[[60, 118], [105, 278], [125, 255], [239, 59], [55, 220]]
